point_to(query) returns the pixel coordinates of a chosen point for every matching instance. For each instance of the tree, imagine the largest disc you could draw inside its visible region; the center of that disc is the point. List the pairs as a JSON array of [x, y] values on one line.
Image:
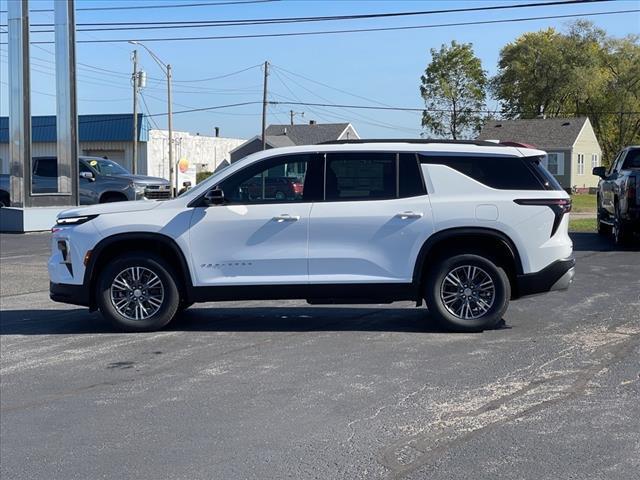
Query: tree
[[454, 91], [578, 73]]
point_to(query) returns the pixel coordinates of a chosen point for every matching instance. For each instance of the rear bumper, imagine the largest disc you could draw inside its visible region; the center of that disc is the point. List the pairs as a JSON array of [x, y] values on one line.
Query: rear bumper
[[557, 276], [67, 293]]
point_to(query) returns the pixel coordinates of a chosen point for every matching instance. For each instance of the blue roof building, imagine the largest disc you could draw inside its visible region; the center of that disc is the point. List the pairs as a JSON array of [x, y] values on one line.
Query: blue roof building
[[103, 135]]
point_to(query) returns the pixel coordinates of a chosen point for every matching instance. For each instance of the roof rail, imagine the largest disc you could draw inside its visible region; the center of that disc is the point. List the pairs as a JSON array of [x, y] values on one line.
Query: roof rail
[[480, 143]]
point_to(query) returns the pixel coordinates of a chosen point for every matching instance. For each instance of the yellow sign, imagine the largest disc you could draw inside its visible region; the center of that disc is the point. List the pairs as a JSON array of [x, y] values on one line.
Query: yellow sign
[[183, 165]]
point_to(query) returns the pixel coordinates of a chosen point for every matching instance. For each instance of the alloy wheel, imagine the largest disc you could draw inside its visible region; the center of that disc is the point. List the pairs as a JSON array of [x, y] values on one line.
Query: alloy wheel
[[137, 293], [467, 292]]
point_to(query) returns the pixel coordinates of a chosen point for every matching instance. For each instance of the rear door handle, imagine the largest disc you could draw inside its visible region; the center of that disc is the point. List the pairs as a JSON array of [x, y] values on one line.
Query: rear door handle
[[285, 217], [408, 215]]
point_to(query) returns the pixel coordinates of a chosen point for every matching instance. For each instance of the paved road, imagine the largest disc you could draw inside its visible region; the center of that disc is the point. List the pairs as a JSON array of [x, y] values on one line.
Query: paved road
[[282, 390]]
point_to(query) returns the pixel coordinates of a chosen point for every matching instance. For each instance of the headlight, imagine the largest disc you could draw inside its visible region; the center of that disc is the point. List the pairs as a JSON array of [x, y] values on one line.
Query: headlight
[[139, 189], [75, 220]]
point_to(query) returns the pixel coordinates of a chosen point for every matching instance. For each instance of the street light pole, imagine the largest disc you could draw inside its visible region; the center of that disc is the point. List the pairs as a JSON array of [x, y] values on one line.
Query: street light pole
[[173, 175], [166, 69], [134, 81]]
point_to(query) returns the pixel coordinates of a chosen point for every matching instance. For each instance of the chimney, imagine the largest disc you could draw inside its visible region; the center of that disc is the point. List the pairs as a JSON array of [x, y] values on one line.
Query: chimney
[[217, 130], [312, 122]]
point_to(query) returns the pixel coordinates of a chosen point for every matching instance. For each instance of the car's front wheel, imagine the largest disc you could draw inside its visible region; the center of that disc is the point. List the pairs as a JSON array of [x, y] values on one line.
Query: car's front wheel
[[467, 292], [137, 292]]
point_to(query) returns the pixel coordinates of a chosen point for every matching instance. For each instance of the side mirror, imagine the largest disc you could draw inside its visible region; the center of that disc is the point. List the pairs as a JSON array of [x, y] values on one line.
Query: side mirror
[[87, 175], [214, 196], [599, 171]]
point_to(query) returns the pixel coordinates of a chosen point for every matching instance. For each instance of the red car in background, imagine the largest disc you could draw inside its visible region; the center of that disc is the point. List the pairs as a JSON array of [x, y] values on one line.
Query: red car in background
[[279, 188]]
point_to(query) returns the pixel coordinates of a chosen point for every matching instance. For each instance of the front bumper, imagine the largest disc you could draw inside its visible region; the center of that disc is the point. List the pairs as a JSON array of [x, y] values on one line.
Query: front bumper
[[67, 293], [557, 276]]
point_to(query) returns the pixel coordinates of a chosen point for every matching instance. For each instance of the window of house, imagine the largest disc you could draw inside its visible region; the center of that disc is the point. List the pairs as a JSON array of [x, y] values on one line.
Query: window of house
[[360, 176], [555, 163], [580, 164], [594, 161]]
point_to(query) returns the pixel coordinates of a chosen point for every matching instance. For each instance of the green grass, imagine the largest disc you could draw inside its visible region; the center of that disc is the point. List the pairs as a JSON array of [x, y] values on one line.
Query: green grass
[[583, 203], [582, 225]]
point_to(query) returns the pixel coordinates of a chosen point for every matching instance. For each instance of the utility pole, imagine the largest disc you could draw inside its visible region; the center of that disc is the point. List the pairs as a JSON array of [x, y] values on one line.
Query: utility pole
[[173, 177], [293, 114], [264, 106], [134, 82]]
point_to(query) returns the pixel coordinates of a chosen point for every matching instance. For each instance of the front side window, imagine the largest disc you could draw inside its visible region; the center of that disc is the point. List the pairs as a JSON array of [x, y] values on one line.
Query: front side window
[[360, 176], [633, 159], [580, 164], [286, 179]]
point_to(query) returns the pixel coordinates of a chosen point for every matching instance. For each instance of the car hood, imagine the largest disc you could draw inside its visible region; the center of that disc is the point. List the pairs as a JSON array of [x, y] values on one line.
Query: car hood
[[115, 207], [142, 179]]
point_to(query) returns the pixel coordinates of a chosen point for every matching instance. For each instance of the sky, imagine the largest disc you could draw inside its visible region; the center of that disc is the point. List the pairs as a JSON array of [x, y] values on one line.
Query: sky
[[372, 68]]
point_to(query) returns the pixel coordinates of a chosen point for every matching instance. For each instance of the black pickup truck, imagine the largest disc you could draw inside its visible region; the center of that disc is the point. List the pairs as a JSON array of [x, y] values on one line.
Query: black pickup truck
[[619, 195]]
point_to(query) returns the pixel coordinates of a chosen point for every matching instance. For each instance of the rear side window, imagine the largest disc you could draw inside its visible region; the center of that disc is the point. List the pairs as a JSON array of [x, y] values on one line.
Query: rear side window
[[46, 167], [410, 183], [360, 176], [503, 173]]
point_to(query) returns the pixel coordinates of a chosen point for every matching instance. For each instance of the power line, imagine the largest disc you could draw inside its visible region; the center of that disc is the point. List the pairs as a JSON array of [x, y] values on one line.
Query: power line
[[156, 6], [417, 109], [149, 25], [354, 30]]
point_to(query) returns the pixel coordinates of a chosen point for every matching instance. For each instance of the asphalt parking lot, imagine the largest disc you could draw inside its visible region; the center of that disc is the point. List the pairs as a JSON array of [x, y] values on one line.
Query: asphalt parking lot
[[259, 390]]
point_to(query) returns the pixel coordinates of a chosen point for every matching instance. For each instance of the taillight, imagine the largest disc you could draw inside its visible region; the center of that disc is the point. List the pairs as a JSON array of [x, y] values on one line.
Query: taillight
[[559, 206]]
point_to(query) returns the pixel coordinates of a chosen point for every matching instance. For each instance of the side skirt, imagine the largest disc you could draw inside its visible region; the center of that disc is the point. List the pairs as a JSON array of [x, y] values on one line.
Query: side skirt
[[314, 294]]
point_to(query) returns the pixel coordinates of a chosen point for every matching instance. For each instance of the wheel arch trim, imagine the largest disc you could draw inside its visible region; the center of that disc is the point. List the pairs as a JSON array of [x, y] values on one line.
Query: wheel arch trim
[[461, 232], [99, 248]]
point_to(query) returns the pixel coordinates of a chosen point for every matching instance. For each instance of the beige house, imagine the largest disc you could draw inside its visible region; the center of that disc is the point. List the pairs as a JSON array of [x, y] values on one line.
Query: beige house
[[571, 144]]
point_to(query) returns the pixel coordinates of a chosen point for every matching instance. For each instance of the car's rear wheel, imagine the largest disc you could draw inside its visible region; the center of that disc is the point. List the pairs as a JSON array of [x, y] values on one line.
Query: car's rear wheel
[[467, 292], [137, 292], [619, 230]]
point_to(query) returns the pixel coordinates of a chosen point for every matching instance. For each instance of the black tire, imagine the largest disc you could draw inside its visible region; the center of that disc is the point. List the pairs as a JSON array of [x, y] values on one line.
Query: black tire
[[150, 263], [4, 200], [434, 296], [602, 228], [620, 231]]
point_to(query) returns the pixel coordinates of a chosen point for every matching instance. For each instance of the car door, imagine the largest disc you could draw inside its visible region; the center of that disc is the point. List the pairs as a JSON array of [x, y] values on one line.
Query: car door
[[259, 236], [373, 221], [86, 189], [609, 184]]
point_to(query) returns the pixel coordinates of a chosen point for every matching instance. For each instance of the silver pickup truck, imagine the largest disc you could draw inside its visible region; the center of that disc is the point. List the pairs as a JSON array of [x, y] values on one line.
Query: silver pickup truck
[[101, 181]]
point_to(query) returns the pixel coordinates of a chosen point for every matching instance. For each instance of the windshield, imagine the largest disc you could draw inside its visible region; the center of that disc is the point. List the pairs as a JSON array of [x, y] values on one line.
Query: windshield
[[107, 167]]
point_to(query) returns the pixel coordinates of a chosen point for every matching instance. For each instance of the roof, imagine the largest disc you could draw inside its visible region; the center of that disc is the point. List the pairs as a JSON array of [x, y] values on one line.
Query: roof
[[306, 134], [544, 133], [91, 128]]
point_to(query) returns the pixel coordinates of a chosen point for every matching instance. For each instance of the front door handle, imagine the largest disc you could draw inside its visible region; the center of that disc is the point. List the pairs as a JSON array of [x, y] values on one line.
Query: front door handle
[[408, 215], [285, 217]]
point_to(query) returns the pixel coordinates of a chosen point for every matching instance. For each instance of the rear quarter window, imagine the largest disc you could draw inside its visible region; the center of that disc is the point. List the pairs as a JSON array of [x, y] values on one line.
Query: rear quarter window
[[502, 173]]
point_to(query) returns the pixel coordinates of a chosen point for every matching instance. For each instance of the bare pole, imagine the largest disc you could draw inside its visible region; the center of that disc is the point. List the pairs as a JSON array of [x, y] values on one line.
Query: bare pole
[[134, 82], [173, 178], [264, 106], [19, 104]]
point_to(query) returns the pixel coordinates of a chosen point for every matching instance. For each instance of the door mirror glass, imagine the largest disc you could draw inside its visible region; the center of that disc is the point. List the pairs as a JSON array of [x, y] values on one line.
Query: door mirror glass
[[599, 171], [214, 197], [87, 175]]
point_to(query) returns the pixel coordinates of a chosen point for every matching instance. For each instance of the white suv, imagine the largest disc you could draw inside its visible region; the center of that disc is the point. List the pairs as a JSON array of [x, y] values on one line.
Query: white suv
[[464, 226]]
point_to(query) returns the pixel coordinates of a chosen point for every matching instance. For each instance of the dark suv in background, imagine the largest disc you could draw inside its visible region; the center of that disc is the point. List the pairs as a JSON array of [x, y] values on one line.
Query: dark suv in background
[[618, 199], [101, 181]]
